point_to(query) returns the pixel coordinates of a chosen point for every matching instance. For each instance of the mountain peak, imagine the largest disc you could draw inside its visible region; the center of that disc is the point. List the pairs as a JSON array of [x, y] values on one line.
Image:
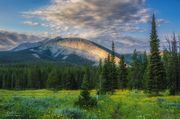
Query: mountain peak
[[66, 49]]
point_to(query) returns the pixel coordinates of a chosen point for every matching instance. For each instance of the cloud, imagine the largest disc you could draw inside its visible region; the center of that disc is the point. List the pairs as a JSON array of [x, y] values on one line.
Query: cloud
[[125, 44], [30, 23], [100, 16], [94, 19], [162, 21], [11, 39]]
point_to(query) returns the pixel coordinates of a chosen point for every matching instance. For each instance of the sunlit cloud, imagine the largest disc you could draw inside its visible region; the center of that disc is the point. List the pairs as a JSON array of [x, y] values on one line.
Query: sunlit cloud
[[30, 23], [100, 16], [93, 19], [9, 39]]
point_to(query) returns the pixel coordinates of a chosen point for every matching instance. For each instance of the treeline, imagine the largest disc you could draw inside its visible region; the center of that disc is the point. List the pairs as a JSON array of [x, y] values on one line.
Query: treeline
[[39, 76], [172, 64], [153, 72], [123, 76]]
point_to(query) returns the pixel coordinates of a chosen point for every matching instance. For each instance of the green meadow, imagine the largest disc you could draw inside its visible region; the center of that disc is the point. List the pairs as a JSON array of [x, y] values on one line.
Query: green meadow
[[46, 104]]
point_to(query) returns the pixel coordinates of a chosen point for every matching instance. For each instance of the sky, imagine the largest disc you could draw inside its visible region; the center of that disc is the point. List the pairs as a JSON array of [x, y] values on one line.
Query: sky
[[127, 22]]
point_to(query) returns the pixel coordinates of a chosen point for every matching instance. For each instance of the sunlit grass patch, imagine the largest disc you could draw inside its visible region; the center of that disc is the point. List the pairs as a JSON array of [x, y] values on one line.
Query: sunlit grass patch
[[123, 104]]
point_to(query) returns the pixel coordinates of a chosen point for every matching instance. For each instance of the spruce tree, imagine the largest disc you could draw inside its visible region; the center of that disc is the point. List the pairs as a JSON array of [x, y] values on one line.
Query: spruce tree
[[122, 81], [107, 82], [136, 72], [132, 76], [171, 63], [145, 61], [176, 64], [85, 100], [178, 69], [99, 77], [53, 80], [145, 70], [156, 69], [113, 71]]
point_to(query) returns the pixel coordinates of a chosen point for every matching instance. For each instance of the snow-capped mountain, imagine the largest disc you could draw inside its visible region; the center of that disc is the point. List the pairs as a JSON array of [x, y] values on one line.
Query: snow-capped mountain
[[71, 50], [27, 45], [10, 39]]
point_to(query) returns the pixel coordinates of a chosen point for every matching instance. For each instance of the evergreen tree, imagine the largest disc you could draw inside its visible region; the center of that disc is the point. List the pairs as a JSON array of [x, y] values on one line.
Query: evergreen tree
[[145, 70], [107, 83], [178, 69], [99, 77], [156, 69], [122, 81], [175, 65], [136, 72], [113, 71], [171, 63], [53, 81], [109, 73], [145, 61], [85, 100]]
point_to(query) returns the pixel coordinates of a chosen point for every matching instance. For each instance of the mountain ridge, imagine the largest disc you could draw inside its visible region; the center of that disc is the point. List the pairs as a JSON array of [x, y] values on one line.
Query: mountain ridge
[[72, 50]]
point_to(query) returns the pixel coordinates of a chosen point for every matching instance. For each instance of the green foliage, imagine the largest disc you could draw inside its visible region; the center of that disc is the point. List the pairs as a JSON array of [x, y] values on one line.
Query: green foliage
[[172, 63], [116, 114], [53, 79], [156, 69], [107, 82], [109, 74], [137, 71], [40, 76], [72, 113], [122, 81], [25, 108], [99, 78], [85, 100], [113, 71], [44, 104]]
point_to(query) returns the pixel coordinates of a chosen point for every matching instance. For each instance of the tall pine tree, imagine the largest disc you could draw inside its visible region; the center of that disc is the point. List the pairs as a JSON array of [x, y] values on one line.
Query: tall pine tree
[[53, 80], [145, 70], [113, 68], [109, 73], [156, 74], [122, 78], [99, 77], [171, 63], [136, 71]]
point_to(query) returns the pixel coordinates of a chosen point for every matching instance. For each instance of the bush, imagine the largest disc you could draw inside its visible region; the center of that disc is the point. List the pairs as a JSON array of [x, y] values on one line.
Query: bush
[[25, 108], [72, 113], [91, 116]]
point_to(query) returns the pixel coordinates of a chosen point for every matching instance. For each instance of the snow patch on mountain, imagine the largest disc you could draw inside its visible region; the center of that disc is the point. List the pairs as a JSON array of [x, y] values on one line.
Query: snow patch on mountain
[[36, 55], [65, 57], [27, 45], [63, 48]]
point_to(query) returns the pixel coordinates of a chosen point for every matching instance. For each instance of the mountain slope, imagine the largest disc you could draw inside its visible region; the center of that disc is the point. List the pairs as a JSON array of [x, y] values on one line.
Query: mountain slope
[[11, 39], [69, 50]]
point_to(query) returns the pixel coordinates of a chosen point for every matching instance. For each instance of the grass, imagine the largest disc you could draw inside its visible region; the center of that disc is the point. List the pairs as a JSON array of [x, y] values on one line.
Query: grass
[[46, 104]]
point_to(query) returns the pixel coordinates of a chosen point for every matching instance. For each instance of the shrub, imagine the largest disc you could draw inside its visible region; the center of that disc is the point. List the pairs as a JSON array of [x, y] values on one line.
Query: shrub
[[25, 108], [72, 113], [91, 116]]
